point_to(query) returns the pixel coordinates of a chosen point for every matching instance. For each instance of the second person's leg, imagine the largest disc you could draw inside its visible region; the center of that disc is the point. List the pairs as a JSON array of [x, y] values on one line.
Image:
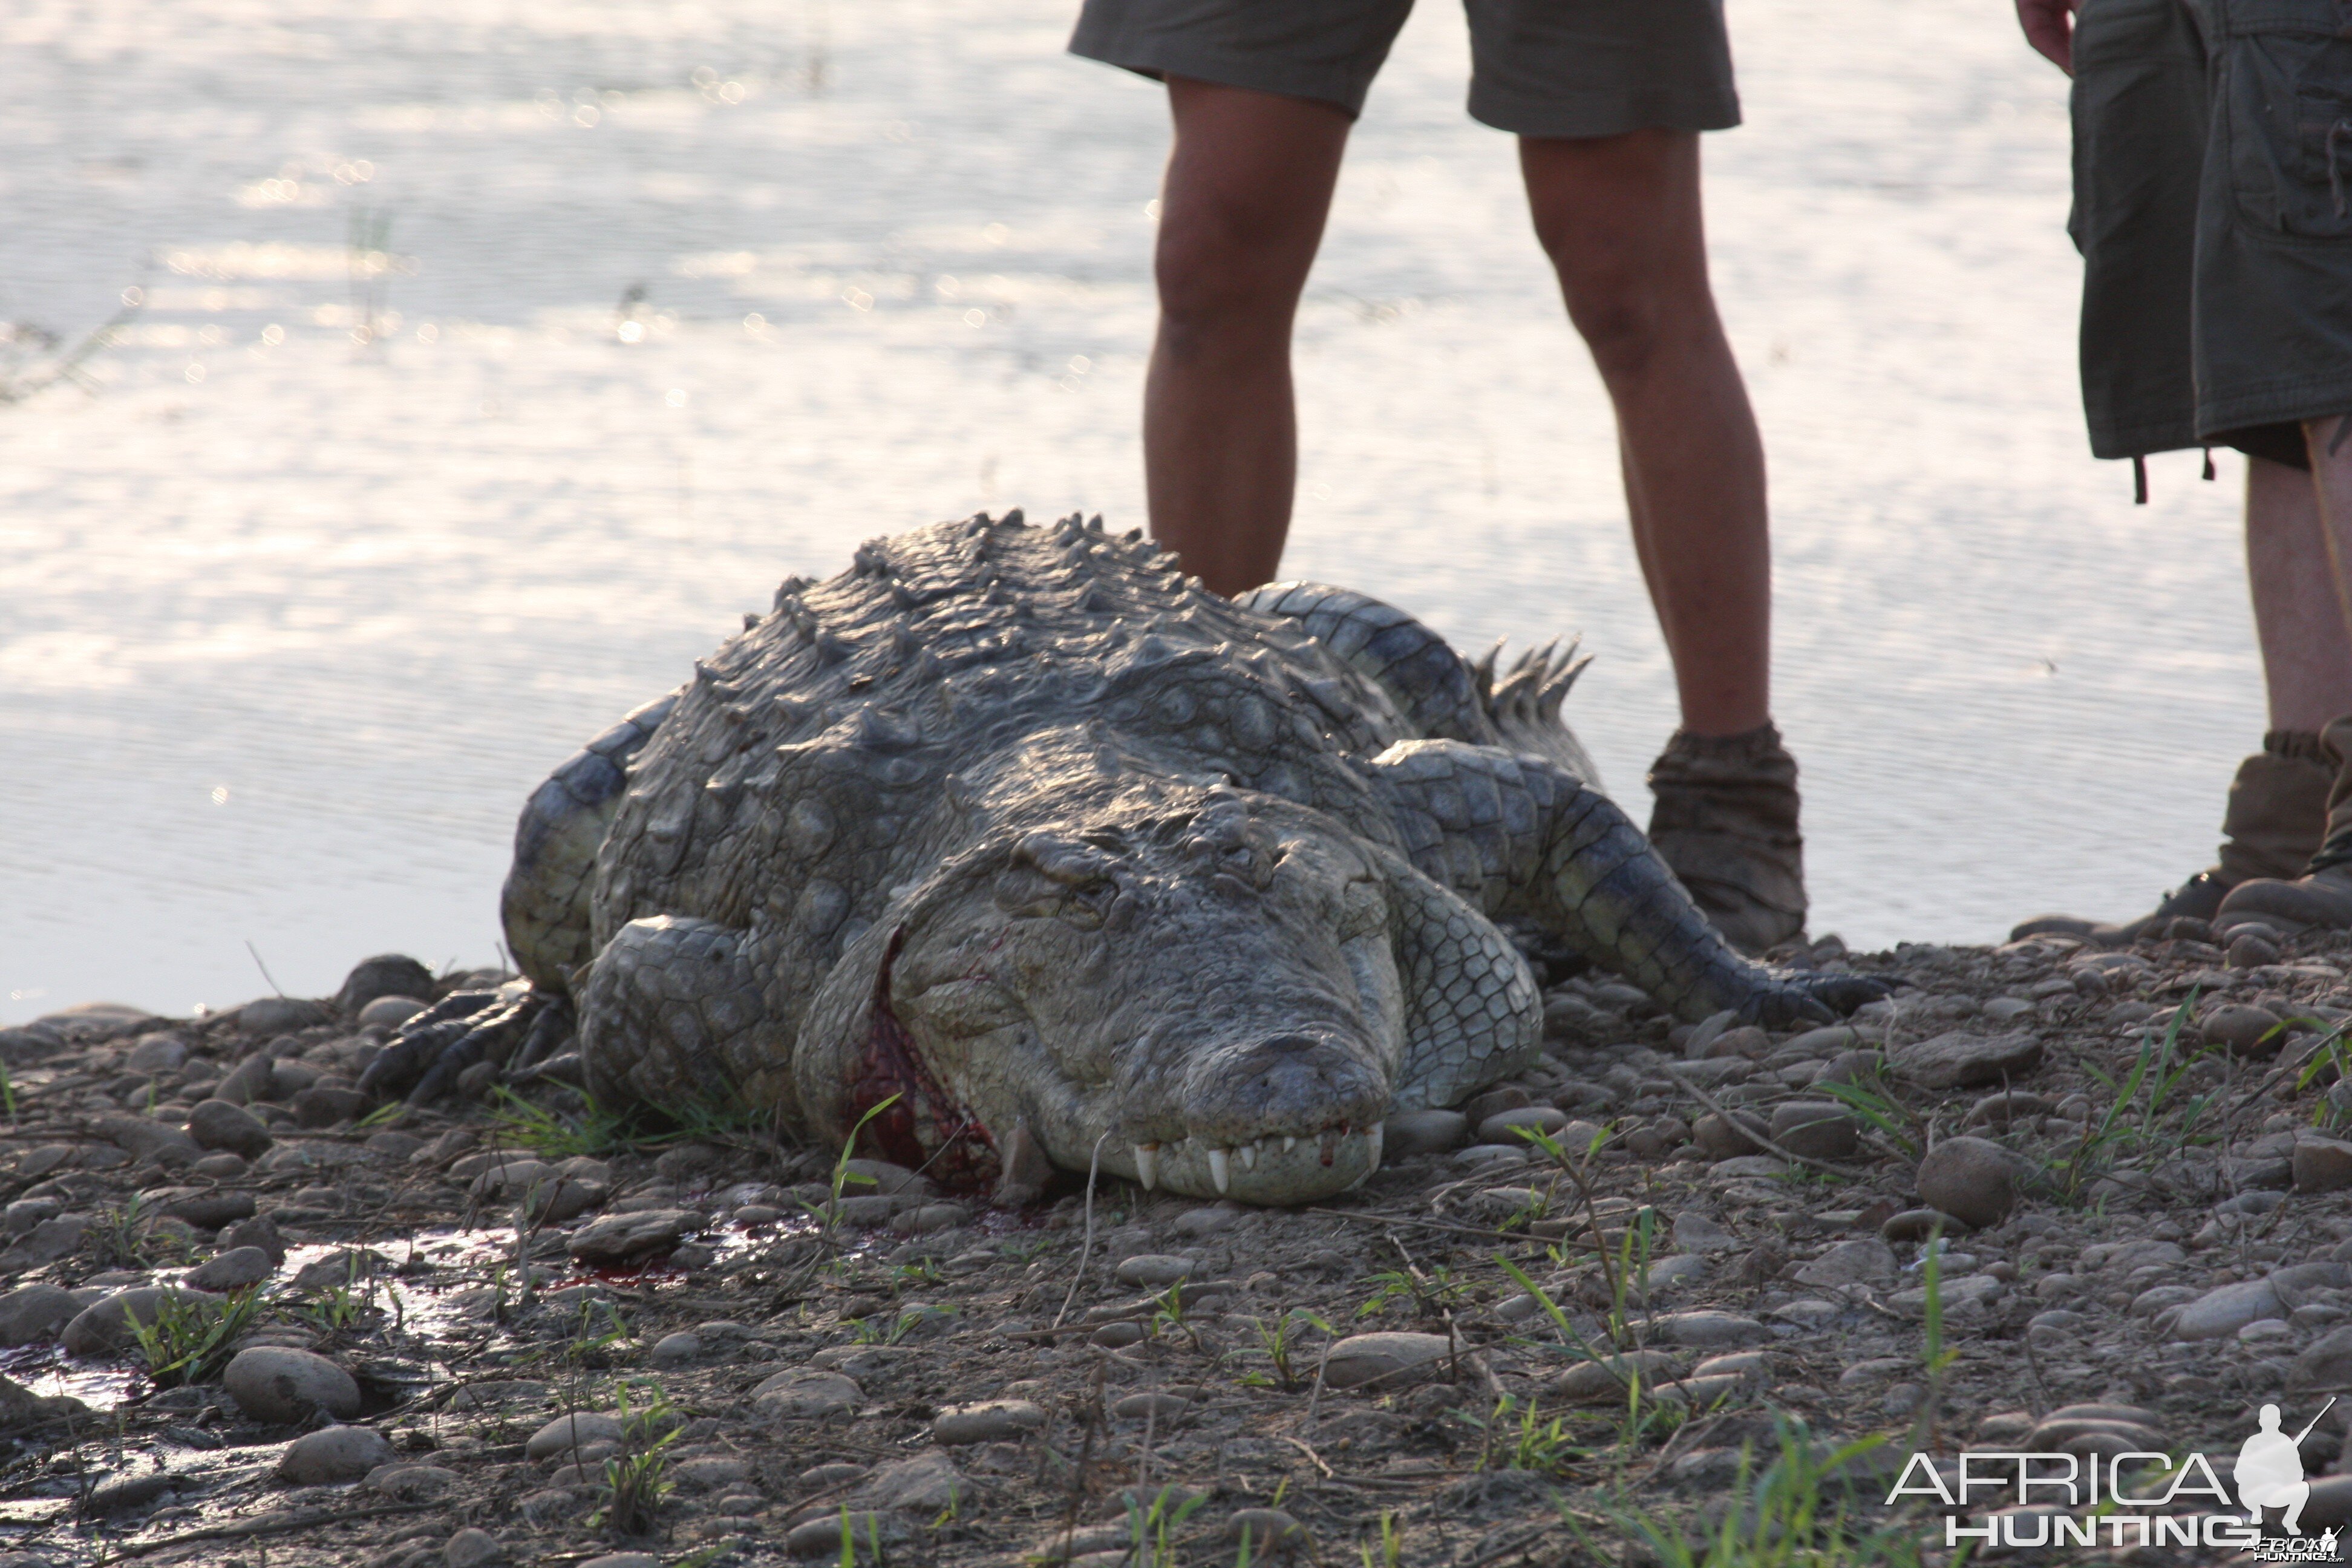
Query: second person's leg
[[1249, 183]]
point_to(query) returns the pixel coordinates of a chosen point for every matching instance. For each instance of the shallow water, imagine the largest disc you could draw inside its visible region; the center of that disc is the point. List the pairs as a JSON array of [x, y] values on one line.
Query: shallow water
[[291, 623]]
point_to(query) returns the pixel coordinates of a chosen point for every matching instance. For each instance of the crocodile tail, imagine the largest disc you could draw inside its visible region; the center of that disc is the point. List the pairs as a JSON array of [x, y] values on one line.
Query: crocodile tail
[[544, 906], [1432, 686]]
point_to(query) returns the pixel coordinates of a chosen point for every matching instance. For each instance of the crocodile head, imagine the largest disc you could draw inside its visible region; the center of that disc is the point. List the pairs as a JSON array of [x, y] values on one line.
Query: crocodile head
[[1202, 994]]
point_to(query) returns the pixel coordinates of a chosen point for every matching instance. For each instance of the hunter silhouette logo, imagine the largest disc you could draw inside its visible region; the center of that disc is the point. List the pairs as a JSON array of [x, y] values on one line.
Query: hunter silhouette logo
[[2270, 1471], [2133, 1499]]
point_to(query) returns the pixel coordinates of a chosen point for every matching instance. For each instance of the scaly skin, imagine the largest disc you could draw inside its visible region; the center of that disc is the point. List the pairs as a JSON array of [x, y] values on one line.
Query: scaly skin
[[1021, 826]]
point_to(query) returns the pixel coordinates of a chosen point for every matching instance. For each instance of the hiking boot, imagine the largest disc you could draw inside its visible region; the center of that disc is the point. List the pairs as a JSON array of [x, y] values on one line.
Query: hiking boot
[[1724, 818], [2322, 896], [2271, 826]]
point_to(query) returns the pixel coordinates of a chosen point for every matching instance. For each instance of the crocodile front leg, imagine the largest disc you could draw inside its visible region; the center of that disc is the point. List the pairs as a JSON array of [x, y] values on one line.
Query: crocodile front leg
[[1516, 833]]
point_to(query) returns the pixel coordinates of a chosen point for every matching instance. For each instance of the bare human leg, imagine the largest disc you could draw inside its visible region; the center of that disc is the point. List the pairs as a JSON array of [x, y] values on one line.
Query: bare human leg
[[2293, 546], [1248, 185], [1620, 217], [2299, 553]]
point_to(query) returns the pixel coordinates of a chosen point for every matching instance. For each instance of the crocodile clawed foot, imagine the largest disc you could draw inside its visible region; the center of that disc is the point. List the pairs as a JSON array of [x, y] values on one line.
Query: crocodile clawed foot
[[432, 1048], [1800, 996]]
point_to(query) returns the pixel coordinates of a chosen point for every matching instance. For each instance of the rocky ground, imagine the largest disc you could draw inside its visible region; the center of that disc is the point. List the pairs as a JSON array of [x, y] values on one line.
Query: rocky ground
[[254, 1319]]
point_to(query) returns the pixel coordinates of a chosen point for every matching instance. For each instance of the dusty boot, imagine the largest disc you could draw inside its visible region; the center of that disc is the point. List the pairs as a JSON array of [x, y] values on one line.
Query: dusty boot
[[2272, 825], [2322, 896], [1725, 820]]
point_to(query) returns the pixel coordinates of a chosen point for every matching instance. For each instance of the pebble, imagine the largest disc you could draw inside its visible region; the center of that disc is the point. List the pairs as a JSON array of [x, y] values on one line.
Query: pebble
[[1826, 1041], [2321, 1165], [1208, 1220], [1746, 1040], [390, 1012], [221, 1167], [2248, 951], [282, 1385], [2219, 1314], [1971, 1179], [625, 1237], [1153, 1405], [1117, 1336], [623, 1560], [2324, 1366], [927, 1219], [142, 1138], [473, 1549], [2001, 1110], [411, 1482], [1491, 1155], [104, 1326], [1865, 1260], [204, 1209], [991, 1421], [386, 974], [232, 1271], [1389, 1359], [157, 1053], [821, 1536], [131, 1491], [34, 1313], [335, 1454], [1154, 1269], [924, 1485], [1817, 1129], [512, 1178], [1960, 1060], [246, 1081], [1710, 1329], [709, 1472], [1720, 1138], [260, 1231], [340, 1267], [1410, 1133], [676, 1349], [1502, 1097], [2243, 1030], [565, 1433], [1877, 1368], [1263, 1527], [1503, 1127], [271, 1015], [806, 1393], [1695, 1232], [1604, 1382]]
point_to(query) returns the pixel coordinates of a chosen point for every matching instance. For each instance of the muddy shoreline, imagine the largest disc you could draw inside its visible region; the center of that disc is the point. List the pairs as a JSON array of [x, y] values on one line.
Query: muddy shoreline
[[2128, 1157]]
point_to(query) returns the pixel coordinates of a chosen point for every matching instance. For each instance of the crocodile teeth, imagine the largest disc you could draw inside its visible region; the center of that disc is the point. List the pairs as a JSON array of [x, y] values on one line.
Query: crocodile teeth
[[1221, 1170], [1372, 1143], [1289, 1144], [1147, 1165], [1249, 1155]]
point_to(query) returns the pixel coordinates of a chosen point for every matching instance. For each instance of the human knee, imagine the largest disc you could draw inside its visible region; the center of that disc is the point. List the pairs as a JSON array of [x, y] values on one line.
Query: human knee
[[1627, 321], [1218, 269]]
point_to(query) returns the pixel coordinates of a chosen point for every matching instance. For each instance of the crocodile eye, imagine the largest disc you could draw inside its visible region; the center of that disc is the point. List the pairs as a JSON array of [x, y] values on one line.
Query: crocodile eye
[[1026, 893]]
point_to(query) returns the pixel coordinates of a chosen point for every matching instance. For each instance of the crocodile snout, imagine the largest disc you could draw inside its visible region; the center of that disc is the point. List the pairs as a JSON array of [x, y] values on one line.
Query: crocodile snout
[[1285, 1118], [1293, 1084]]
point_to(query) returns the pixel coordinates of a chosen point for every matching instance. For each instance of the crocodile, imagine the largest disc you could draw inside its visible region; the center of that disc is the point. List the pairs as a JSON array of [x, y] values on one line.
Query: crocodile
[[1014, 848]]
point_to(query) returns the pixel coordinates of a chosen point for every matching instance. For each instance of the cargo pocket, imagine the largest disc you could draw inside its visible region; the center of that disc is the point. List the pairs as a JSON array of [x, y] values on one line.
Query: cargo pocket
[[2287, 97]]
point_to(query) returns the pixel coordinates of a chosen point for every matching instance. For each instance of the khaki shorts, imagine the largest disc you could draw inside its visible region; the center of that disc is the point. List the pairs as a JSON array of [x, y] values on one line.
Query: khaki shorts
[[1539, 67], [2213, 209]]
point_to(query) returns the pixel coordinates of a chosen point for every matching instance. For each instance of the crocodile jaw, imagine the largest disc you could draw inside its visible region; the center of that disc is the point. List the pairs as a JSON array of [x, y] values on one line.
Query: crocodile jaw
[[1276, 1169]]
